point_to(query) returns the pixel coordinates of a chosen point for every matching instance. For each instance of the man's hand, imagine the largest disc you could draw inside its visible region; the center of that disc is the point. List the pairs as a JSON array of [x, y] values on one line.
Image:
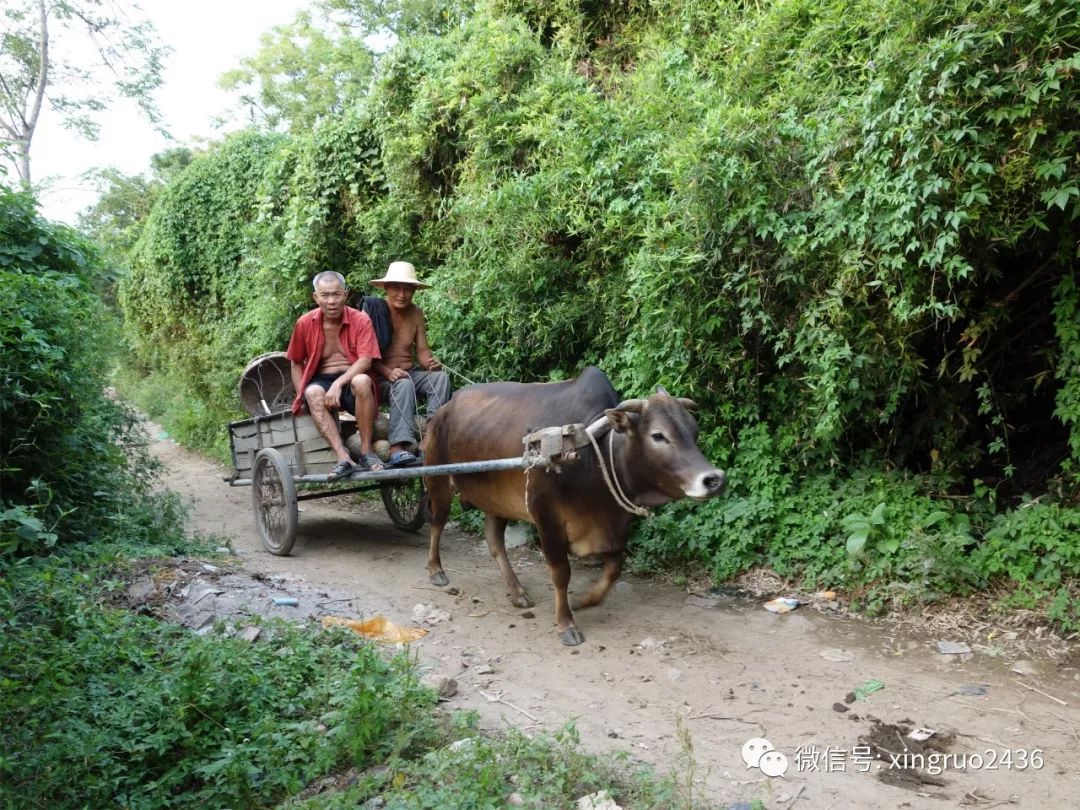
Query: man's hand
[[433, 365], [395, 374], [332, 398]]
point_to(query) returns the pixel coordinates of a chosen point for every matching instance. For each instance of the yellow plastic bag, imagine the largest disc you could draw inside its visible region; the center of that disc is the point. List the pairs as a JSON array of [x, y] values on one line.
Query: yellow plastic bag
[[377, 628]]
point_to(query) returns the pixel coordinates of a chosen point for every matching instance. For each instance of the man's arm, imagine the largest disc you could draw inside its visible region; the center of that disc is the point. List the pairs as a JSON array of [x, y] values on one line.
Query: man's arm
[[423, 352], [297, 371], [383, 370]]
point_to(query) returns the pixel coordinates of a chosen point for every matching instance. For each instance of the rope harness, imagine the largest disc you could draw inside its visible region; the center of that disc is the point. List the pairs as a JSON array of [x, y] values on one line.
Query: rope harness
[[616, 491]]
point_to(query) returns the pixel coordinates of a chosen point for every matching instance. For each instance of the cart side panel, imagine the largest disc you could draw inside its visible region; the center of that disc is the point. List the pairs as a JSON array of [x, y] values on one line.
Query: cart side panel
[[295, 437]]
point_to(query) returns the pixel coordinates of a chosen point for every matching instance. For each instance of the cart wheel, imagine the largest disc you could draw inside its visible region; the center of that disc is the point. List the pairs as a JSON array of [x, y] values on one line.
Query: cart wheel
[[273, 494], [404, 500]]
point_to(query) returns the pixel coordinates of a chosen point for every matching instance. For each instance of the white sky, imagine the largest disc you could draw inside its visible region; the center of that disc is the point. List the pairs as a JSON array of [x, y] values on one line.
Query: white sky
[[208, 37]]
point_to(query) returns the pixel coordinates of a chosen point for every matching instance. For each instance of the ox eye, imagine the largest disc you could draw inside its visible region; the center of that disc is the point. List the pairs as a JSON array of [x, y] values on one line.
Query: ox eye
[[660, 438]]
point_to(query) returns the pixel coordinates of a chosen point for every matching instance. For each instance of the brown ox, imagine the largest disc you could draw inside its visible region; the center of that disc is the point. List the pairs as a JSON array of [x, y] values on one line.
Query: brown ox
[[656, 460]]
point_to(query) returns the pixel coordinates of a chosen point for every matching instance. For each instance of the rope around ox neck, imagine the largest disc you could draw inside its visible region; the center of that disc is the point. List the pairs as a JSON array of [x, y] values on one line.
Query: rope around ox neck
[[616, 491]]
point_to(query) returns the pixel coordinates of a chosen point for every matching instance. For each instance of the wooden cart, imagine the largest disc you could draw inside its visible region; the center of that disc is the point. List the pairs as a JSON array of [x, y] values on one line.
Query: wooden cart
[[282, 457]]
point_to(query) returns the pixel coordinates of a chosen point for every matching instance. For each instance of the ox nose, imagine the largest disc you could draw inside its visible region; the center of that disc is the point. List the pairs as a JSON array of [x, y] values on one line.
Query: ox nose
[[714, 481]]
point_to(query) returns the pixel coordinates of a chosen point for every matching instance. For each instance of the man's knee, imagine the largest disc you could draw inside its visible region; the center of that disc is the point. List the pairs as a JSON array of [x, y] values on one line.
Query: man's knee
[[361, 386], [405, 383], [314, 394]]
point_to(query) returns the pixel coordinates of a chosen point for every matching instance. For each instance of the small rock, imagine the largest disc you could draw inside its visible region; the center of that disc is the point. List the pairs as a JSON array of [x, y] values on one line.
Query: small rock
[[515, 800], [528, 614], [249, 633], [837, 656], [140, 591], [704, 602], [483, 669], [840, 707], [444, 685], [205, 625], [849, 697], [597, 801], [1025, 668], [674, 674], [430, 614], [516, 535], [953, 648]]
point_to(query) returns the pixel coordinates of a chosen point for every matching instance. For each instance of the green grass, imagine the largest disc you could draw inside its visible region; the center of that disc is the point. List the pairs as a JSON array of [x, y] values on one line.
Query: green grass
[[102, 706]]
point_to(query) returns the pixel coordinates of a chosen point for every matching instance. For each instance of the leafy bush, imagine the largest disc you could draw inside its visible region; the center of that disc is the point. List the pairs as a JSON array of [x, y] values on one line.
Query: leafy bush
[[475, 771], [63, 472], [103, 706]]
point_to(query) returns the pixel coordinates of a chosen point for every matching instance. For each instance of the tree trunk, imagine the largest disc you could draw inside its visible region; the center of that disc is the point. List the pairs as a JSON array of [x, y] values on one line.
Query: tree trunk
[[30, 122]]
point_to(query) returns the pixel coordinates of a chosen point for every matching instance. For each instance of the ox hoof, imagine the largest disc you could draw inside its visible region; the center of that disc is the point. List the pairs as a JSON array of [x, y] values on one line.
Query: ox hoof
[[571, 637], [522, 601], [439, 578]]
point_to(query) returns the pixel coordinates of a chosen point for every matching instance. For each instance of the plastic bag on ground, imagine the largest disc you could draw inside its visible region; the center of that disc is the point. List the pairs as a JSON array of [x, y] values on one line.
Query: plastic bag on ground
[[377, 628]]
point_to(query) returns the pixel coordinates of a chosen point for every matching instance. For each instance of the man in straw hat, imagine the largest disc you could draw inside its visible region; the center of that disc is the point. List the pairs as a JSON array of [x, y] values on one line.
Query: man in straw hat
[[331, 352], [399, 379]]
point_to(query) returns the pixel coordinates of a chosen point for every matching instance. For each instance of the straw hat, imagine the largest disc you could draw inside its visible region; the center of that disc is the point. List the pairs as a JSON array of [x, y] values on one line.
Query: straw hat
[[400, 273]]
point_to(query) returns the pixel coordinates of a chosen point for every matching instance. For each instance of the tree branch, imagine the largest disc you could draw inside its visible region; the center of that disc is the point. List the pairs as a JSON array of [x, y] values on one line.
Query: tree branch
[[39, 93]]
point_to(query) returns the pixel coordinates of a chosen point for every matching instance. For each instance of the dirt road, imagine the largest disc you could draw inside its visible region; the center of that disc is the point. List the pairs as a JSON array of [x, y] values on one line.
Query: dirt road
[[657, 675]]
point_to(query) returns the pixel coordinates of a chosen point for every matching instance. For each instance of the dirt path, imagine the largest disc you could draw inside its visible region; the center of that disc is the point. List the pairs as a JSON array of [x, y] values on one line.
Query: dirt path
[[656, 673]]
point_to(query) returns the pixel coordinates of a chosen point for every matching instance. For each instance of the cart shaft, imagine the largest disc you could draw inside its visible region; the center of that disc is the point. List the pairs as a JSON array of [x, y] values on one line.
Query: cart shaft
[[461, 468]]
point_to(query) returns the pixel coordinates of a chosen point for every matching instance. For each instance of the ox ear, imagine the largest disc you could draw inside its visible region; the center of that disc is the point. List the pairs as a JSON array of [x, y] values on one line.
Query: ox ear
[[689, 404], [620, 419], [661, 390]]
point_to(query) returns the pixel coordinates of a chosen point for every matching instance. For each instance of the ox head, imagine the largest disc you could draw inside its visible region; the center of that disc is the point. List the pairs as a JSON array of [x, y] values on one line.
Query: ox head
[[662, 454]]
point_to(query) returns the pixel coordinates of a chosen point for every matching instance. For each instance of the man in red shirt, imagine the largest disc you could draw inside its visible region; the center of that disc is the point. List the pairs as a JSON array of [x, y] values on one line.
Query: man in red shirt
[[331, 351]]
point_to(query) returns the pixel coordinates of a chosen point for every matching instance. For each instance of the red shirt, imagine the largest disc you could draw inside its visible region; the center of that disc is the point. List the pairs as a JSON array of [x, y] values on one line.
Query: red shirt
[[357, 338]]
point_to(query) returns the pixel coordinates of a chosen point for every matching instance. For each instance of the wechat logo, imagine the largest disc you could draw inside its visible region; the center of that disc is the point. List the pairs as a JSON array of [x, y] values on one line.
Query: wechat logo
[[760, 753]]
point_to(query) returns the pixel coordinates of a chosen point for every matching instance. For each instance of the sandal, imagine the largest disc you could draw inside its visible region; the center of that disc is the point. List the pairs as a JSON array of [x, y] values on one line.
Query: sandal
[[403, 458], [341, 469], [372, 463]]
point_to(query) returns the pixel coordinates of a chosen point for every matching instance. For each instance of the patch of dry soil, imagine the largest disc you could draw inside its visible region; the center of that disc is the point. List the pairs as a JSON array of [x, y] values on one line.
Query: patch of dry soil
[[659, 669]]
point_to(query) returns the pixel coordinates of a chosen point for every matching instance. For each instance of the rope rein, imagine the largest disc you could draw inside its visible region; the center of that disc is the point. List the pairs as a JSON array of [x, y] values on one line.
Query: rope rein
[[456, 373], [616, 491]]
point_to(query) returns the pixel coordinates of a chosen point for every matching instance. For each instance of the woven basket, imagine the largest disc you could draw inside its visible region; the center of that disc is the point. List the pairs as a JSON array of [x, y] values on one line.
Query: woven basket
[[266, 385]]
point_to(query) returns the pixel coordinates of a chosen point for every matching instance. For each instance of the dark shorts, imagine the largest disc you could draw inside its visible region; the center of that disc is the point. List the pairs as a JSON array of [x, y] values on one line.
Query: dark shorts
[[324, 381]]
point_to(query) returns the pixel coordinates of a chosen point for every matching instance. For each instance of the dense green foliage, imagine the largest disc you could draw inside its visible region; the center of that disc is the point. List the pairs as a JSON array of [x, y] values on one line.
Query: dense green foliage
[[62, 467], [849, 230], [103, 706]]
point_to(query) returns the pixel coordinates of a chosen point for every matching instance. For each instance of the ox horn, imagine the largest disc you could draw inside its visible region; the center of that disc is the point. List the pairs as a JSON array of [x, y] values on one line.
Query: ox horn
[[661, 390], [689, 404], [630, 406]]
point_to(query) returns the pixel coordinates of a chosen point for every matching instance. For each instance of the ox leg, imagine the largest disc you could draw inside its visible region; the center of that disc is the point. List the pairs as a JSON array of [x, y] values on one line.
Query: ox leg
[[494, 533], [613, 563], [564, 619], [553, 542], [439, 494]]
